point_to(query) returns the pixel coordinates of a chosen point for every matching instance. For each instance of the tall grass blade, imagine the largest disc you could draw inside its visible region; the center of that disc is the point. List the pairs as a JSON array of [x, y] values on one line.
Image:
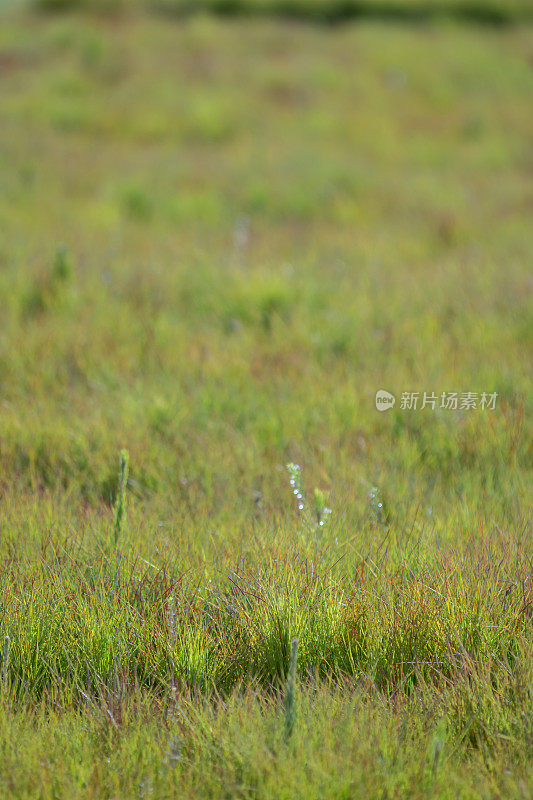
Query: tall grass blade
[[120, 508], [290, 692]]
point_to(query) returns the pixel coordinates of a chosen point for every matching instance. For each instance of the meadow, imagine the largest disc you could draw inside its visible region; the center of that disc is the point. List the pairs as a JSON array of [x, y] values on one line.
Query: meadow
[[223, 228]]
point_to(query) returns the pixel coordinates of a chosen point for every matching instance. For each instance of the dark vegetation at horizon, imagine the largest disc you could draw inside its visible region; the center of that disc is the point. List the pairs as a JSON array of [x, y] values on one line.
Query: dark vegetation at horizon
[[492, 12], [219, 238]]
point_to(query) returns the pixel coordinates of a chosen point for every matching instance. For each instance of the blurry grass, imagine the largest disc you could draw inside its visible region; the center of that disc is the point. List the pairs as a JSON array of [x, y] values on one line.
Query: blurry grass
[[480, 11], [328, 11], [218, 273]]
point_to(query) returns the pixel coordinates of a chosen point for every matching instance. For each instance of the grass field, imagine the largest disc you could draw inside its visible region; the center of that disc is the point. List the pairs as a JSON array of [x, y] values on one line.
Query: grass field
[[220, 236]]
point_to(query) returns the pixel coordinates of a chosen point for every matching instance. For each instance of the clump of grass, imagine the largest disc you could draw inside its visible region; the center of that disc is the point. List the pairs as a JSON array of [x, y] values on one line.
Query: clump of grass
[[62, 267], [48, 291], [137, 204], [120, 507]]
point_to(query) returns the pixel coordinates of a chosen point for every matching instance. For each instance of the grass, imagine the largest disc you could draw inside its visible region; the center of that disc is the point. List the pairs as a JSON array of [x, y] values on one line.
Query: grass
[[220, 238], [235, 748]]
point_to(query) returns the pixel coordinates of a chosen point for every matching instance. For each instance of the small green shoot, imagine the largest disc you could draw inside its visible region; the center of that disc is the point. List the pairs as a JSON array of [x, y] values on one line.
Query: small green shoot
[[120, 508]]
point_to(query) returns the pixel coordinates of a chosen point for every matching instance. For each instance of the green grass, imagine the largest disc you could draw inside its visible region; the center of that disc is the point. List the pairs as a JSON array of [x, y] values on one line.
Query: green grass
[[219, 239], [348, 743]]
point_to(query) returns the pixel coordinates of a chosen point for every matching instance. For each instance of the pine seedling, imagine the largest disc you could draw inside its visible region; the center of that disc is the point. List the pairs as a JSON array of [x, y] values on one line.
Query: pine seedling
[[120, 508], [290, 702]]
